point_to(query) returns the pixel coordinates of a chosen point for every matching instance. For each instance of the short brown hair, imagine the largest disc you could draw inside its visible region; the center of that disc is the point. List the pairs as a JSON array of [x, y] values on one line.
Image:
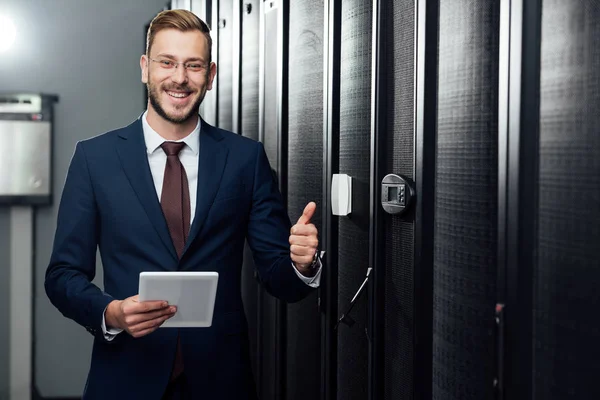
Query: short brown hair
[[181, 20]]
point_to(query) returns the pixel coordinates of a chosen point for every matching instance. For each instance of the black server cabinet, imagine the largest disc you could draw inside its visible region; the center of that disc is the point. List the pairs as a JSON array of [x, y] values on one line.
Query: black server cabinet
[[565, 296], [393, 293], [354, 160], [465, 253], [551, 205], [305, 184]]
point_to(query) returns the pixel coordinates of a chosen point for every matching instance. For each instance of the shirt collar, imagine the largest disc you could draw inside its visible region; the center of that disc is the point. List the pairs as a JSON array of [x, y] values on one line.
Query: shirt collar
[[154, 140]]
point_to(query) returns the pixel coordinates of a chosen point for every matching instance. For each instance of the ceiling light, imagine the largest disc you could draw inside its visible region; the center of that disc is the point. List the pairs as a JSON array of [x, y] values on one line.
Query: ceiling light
[[8, 33]]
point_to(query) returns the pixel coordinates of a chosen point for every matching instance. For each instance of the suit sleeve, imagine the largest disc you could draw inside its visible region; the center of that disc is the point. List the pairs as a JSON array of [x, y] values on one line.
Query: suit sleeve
[[268, 235], [72, 264]]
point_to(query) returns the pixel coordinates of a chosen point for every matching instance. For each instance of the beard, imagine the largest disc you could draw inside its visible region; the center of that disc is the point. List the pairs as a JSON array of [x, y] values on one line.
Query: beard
[[154, 94]]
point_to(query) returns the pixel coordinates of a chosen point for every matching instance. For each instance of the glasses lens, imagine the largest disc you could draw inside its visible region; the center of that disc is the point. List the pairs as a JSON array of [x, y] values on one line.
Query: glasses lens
[[193, 67], [166, 64]]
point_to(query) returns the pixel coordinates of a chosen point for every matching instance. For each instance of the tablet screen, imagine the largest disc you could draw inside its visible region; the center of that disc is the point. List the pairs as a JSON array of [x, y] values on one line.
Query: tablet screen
[[192, 292]]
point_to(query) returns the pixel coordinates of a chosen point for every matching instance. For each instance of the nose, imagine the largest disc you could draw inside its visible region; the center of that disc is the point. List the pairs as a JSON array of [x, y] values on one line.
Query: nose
[[179, 75]]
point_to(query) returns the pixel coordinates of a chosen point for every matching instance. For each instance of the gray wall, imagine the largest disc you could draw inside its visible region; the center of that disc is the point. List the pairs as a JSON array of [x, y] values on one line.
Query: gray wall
[[87, 52]]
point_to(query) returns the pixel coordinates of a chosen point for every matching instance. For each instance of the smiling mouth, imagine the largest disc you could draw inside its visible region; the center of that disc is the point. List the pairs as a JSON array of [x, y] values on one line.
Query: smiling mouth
[[178, 95]]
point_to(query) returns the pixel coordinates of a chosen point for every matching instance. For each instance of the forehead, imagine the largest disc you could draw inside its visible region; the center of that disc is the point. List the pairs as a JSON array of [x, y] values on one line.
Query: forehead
[[190, 44]]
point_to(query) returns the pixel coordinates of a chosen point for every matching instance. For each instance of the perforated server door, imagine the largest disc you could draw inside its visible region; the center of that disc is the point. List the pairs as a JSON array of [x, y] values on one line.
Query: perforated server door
[[305, 183], [395, 268], [465, 254], [354, 160], [566, 298], [551, 157]]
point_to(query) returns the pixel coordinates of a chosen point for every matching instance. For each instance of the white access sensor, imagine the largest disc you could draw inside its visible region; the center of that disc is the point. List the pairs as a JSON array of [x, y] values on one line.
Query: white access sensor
[[341, 194]]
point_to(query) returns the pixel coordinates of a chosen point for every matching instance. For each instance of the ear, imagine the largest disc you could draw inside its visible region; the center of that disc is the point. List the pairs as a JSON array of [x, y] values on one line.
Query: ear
[[144, 68], [211, 75]]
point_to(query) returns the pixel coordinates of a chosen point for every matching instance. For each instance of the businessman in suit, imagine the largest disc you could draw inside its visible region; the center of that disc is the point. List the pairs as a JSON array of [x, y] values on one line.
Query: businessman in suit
[[172, 193]]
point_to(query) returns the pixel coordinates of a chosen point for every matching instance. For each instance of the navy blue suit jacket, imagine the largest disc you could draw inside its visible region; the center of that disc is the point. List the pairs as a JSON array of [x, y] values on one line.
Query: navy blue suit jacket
[[109, 202]]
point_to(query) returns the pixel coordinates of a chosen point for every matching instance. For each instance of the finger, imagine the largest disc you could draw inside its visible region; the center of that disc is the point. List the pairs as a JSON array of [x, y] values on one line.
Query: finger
[[147, 327], [134, 319], [308, 213], [143, 333], [308, 241], [144, 306], [139, 334], [302, 251], [304, 230], [154, 323]]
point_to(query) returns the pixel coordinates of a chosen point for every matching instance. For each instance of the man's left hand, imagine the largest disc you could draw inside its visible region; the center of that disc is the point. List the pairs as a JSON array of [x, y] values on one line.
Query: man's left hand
[[304, 241]]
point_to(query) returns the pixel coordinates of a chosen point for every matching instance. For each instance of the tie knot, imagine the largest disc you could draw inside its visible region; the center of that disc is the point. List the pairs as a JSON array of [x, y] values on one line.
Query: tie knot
[[172, 148]]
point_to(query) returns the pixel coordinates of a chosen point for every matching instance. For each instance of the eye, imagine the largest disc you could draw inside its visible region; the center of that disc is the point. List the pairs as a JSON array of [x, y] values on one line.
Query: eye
[[166, 63], [195, 67]]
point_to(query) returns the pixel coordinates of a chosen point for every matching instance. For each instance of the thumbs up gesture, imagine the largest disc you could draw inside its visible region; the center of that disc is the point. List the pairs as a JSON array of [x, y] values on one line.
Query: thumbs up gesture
[[304, 241]]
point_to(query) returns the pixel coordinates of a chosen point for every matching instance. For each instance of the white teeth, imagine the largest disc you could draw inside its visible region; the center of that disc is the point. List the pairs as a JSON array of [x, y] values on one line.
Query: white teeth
[[178, 95]]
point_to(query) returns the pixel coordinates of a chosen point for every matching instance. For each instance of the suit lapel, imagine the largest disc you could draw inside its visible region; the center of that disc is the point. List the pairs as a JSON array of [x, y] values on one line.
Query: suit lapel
[[132, 153], [211, 163]]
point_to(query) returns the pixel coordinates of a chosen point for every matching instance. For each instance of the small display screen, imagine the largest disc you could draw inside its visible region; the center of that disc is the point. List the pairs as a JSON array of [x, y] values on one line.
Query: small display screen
[[393, 194]]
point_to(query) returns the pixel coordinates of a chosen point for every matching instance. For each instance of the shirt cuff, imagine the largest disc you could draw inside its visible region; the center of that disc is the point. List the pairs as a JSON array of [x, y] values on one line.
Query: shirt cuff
[[109, 334], [312, 281]]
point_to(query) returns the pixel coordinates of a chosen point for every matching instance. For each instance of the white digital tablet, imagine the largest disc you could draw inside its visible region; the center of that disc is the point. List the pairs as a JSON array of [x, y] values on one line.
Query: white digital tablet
[[192, 292]]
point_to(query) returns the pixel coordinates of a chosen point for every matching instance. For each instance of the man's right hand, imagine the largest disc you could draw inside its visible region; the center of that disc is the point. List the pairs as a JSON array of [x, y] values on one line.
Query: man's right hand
[[138, 318]]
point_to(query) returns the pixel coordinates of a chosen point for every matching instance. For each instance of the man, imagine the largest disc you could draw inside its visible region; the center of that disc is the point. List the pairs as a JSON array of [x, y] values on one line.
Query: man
[[170, 192]]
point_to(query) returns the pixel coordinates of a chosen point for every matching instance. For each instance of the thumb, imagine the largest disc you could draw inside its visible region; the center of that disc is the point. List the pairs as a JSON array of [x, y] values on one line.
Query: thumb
[[308, 213]]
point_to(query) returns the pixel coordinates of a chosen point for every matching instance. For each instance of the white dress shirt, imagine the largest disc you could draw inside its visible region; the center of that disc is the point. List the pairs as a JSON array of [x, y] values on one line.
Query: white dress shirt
[[188, 156]]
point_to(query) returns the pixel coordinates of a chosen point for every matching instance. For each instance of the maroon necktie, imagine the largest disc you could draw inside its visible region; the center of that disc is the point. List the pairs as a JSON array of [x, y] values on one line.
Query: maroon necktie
[[175, 202], [175, 197]]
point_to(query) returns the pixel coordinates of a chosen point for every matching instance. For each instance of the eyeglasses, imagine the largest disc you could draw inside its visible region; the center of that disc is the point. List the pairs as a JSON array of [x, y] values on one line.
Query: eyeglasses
[[170, 65]]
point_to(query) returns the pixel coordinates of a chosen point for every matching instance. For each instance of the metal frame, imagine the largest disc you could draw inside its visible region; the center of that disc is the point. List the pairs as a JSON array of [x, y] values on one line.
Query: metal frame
[[216, 39], [282, 167], [200, 8], [261, 135], [503, 163], [209, 8], [282, 161], [210, 104], [376, 321], [503, 121], [518, 176], [329, 231], [425, 125], [283, 19], [236, 87], [261, 71], [426, 62]]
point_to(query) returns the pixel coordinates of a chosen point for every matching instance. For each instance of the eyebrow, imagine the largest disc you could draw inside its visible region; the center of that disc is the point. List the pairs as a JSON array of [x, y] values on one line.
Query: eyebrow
[[186, 60]]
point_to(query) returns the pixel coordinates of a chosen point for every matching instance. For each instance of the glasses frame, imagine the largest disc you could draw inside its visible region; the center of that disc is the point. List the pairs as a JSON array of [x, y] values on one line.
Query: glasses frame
[[205, 67]]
